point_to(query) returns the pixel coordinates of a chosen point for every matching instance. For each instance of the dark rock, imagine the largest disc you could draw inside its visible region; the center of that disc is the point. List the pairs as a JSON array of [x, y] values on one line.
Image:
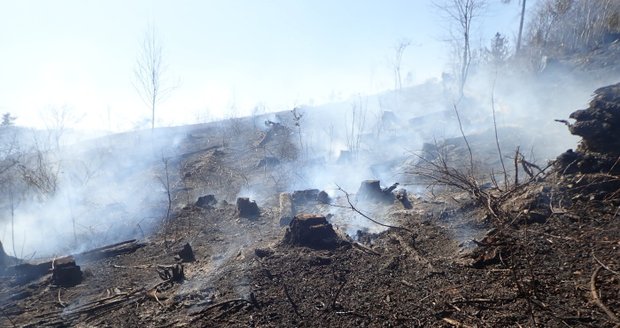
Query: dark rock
[[207, 201], [312, 230], [247, 208], [65, 272], [186, 254]]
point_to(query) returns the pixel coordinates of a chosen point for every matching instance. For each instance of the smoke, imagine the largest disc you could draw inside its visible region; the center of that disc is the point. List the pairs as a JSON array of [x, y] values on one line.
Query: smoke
[[105, 190], [110, 188]]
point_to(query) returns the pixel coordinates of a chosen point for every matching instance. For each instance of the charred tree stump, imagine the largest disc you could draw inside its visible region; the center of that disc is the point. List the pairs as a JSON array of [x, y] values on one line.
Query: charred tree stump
[[247, 208], [186, 254], [313, 231], [305, 196], [173, 273], [207, 201], [401, 195], [323, 198], [370, 190], [65, 272]]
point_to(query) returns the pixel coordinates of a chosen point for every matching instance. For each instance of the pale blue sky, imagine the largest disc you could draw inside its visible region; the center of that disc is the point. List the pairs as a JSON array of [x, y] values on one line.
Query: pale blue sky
[[82, 53]]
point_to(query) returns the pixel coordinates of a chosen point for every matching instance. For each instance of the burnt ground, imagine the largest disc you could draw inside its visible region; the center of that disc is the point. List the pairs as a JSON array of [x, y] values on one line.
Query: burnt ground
[[550, 260]]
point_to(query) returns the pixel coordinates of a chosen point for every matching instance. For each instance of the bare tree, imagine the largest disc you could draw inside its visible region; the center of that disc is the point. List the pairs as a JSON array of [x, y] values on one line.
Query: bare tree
[[463, 13], [399, 50], [150, 72]]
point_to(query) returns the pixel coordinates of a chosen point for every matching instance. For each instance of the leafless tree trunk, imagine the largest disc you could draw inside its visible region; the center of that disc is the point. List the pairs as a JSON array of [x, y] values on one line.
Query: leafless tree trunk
[[399, 50], [463, 13], [520, 26], [150, 73]]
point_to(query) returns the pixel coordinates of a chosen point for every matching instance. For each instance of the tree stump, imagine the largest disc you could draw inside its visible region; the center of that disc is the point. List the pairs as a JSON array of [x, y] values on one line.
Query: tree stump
[[305, 196], [323, 198], [369, 190], [247, 208], [313, 231], [207, 201], [186, 254], [65, 272]]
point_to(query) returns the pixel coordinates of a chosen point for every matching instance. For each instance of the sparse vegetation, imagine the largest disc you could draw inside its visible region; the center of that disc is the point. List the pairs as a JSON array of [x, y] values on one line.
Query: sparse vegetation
[[560, 27]]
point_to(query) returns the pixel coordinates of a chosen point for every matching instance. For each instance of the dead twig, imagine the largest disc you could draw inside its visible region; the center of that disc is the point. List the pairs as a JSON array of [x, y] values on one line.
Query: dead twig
[[603, 265], [597, 299], [364, 248], [60, 302], [455, 323], [293, 304], [471, 156], [204, 311], [499, 148], [366, 216]]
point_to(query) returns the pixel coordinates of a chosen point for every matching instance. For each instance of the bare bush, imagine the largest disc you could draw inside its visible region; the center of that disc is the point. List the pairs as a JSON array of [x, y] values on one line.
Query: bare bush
[[566, 26]]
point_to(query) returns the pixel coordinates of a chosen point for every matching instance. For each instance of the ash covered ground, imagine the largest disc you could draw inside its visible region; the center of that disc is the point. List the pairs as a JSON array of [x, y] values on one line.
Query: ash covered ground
[[268, 221]]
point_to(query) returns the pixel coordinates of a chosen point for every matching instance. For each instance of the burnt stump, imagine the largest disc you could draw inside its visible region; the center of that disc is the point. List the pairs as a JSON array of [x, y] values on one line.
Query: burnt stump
[[313, 231], [65, 272], [207, 201], [247, 208]]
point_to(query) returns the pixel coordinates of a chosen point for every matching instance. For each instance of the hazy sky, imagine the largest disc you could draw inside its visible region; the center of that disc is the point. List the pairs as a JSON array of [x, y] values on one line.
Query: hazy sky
[[81, 54]]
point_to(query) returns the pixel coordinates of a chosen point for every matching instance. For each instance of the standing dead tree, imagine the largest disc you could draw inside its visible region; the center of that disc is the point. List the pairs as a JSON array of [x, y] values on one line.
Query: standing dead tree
[[521, 20], [399, 51], [462, 13], [150, 73]]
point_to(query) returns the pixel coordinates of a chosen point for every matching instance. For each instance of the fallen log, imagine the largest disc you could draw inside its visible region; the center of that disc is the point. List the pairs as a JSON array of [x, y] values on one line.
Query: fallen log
[[26, 272], [124, 247]]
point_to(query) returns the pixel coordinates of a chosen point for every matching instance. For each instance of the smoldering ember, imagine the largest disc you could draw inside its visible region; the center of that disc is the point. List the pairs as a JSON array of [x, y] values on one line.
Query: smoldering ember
[[445, 204]]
